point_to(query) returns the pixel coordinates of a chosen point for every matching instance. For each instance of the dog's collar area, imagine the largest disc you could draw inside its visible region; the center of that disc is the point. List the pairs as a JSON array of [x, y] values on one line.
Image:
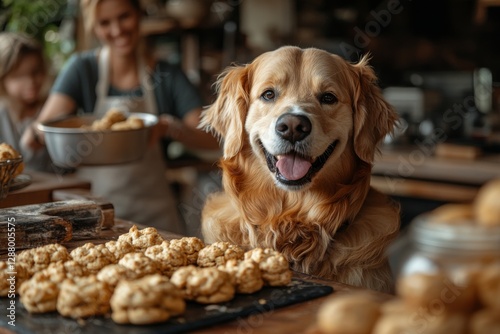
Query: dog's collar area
[[316, 166]]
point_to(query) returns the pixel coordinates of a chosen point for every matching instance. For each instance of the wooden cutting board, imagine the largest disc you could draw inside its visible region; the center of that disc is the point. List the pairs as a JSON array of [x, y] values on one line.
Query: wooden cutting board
[[35, 225]]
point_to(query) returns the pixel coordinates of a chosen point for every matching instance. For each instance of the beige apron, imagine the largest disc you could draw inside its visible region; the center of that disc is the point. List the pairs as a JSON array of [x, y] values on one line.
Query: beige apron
[[139, 191]]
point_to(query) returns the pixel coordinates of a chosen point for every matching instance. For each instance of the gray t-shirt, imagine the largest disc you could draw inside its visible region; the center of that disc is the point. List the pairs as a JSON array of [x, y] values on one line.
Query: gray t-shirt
[[11, 132], [175, 95]]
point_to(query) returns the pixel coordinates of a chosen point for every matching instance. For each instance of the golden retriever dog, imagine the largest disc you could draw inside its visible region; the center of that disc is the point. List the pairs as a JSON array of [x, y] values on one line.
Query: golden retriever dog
[[300, 129]]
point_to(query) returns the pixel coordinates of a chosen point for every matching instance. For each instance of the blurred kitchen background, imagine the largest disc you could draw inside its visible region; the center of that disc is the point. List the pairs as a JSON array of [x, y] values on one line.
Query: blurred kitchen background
[[438, 64]]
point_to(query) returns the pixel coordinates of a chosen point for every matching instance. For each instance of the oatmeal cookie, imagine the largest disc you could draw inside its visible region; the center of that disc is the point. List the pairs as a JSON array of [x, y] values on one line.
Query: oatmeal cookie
[[83, 297], [57, 272], [274, 267], [74, 269], [148, 300], [245, 275], [190, 246], [39, 258], [119, 248], [142, 239], [113, 273], [169, 259], [39, 294], [140, 264], [12, 275], [93, 257], [218, 254], [204, 285]]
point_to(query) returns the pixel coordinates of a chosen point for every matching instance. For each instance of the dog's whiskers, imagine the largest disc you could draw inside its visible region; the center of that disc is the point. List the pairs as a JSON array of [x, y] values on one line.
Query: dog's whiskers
[[300, 149]]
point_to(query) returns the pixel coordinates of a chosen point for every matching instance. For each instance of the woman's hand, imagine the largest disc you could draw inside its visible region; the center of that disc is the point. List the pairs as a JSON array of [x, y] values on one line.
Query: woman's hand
[[32, 138], [167, 127], [185, 131], [56, 105]]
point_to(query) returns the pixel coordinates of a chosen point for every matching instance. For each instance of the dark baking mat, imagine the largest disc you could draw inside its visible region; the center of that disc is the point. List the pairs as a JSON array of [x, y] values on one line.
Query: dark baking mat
[[196, 316]]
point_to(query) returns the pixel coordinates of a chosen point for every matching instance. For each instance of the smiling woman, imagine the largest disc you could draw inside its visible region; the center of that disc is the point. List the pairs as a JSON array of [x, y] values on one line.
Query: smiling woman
[[122, 74], [115, 24]]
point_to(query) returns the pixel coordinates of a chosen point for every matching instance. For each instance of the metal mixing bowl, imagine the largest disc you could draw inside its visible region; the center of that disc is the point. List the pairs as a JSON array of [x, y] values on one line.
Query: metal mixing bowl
[[70, 145]]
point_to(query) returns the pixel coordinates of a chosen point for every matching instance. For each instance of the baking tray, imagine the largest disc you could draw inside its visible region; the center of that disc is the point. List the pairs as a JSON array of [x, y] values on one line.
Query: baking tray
[[197, 316]]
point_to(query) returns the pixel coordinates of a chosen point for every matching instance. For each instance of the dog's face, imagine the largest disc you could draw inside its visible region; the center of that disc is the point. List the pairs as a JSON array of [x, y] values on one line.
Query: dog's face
[[300, 110]]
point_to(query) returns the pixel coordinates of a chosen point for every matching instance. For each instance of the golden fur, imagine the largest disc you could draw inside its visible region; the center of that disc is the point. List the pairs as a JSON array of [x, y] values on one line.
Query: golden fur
[[334, 225]]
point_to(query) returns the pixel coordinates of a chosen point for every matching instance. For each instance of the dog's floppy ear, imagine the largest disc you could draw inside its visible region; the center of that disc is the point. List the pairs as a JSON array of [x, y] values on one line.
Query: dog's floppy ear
[[374, 118], [226, 116]]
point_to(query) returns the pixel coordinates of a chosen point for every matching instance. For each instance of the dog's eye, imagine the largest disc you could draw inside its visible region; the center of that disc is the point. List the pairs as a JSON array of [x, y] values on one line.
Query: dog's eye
[[328, 98], [269, 95]]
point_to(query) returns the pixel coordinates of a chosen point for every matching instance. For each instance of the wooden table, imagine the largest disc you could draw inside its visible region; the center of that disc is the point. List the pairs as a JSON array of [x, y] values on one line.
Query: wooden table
[[297, 318], [41, 188]]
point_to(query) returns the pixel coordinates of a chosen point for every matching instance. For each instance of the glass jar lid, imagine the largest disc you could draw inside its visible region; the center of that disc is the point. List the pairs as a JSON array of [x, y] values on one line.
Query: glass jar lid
[[458, 238]]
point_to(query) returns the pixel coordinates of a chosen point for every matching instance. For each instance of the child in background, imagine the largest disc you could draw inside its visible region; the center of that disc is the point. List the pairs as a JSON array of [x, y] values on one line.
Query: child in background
[[23, 90]]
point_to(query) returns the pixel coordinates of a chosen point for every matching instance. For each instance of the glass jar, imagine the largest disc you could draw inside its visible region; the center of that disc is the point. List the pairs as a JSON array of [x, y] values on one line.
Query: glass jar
[[455, 249]]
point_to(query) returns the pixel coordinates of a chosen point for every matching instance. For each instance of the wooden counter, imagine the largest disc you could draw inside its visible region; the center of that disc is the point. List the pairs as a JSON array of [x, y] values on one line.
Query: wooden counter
[[412, 171], [41, 188]]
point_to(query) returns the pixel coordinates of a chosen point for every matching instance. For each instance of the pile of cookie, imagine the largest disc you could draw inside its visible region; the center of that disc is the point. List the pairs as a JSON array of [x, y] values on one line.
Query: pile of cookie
[[115, 120], [140, 278]]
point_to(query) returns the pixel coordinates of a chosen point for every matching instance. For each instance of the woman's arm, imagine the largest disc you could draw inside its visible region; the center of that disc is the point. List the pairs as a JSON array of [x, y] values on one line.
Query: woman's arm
[[186, 131], [57, 105]]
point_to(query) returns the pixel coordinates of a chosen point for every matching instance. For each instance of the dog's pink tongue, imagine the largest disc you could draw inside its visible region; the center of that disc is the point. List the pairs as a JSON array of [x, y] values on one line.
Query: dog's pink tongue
[[292, 167]]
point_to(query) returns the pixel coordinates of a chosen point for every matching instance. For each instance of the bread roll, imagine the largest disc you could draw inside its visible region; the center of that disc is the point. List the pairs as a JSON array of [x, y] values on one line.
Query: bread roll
[[354, 313], [487, 204]]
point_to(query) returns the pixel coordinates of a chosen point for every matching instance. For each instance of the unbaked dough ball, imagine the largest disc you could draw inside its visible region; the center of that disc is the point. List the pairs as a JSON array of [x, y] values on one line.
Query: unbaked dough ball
[[452, 213], [435, 291], [488, 284], [487, 204], [485, 321], [353, 313]]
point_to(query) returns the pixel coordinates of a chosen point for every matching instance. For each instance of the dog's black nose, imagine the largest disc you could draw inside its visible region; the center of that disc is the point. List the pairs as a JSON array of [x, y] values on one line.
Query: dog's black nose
[[293, 127]]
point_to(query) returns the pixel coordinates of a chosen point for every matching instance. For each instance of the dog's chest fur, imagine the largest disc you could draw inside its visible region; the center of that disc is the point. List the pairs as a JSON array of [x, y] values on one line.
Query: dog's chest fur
[[304, 226]]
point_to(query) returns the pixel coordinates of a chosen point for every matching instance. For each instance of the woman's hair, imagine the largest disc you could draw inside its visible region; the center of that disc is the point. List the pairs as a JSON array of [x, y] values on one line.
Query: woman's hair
[[13, 48], [88, 8]]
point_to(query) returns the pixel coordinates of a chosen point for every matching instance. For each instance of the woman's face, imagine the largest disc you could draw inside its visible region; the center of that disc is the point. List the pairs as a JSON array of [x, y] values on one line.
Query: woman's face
[[24, 82], [117, 25]]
